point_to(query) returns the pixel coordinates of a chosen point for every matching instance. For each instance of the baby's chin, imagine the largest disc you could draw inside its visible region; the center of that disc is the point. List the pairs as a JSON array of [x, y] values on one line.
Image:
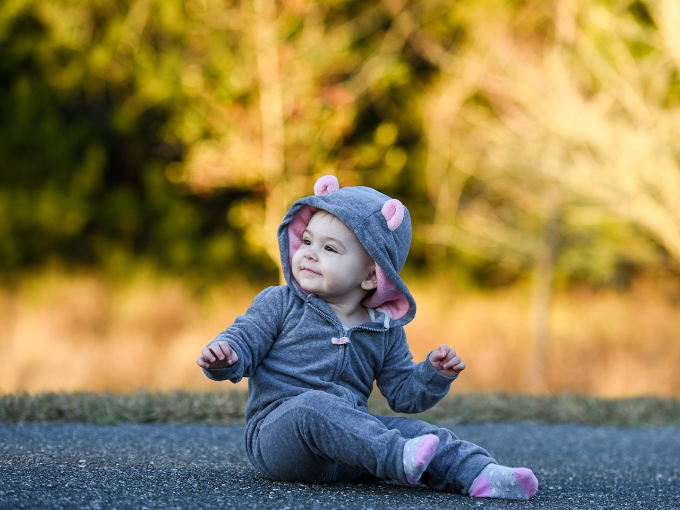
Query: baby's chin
[[305, 284]]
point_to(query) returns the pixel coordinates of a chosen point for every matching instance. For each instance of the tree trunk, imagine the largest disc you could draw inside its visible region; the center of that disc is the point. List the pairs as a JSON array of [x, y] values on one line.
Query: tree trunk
[[541, 299]]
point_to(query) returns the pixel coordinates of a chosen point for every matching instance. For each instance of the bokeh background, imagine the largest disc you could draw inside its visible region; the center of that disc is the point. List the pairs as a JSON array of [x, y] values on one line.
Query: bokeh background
[[149, 149]]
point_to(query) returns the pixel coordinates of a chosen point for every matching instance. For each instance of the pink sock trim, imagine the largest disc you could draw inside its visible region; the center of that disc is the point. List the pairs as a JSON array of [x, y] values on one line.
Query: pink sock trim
[[527, 481], [424, 453], [481, 488], [426, 450]]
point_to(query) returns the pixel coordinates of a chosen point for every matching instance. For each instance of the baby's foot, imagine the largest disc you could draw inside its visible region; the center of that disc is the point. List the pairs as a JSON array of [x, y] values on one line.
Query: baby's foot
[[502, 482], [418, 453]]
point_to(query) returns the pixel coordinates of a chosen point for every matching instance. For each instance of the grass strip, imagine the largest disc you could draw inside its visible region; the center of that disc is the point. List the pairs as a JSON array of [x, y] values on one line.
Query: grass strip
[[563, 408], [228, 408], [140, 407]]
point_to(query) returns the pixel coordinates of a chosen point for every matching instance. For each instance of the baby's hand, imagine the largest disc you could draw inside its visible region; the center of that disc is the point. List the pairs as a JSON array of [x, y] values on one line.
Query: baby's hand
[[447, 361], [218, 354]]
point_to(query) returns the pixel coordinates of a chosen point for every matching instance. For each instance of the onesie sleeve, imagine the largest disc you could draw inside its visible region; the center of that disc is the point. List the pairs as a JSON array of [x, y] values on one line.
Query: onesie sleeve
[[407, 386], [252, 334]]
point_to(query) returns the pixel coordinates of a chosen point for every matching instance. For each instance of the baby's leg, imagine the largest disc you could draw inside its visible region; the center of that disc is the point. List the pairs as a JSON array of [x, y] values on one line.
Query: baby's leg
[[460, 466], [455, 464], [318, 437]]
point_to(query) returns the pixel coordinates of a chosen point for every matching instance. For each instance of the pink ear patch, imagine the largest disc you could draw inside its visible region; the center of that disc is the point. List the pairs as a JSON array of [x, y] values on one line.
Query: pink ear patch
[[393, 211], [326, 184], [296, 229]]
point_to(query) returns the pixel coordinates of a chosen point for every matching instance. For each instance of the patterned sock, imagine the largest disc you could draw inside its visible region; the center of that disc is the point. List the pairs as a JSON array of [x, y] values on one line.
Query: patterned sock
[[504, 482], [418, 453]]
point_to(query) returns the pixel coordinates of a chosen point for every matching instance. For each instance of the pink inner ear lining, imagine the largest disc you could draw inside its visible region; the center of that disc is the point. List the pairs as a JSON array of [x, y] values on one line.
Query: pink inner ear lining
[[393, 212], [326, 184], [295, 230], [387, 297]]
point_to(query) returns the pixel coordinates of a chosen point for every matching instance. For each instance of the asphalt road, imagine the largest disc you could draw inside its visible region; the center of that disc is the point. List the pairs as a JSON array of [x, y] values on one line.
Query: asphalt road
[[192, 466]]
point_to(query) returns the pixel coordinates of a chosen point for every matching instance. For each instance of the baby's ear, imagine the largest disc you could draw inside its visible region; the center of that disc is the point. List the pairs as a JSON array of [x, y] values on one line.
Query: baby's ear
[[371, 281]]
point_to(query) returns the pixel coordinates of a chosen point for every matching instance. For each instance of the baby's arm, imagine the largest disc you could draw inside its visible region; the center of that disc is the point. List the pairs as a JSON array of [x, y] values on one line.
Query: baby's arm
[[412, 387], [217, 354], [238, 350], [446, 361]]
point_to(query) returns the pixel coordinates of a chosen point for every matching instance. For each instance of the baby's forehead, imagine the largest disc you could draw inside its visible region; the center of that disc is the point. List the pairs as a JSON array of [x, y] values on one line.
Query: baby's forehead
[[331, 219], [331, 224], [335, 227]]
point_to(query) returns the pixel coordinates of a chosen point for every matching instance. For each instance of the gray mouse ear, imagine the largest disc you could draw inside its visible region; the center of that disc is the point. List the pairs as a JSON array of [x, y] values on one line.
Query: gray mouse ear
[[326, 184], [393, 212]]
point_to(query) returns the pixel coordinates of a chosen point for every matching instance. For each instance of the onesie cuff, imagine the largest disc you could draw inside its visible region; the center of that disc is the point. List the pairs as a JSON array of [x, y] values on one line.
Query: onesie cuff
[[220, 374], [433, 378], [225, 374]]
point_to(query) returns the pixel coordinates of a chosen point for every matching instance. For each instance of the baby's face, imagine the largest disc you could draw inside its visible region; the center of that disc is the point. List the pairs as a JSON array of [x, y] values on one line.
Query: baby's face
[[331, 262]]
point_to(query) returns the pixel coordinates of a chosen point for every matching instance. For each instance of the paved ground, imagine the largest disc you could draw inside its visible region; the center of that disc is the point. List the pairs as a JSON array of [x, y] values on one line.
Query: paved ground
[[186, 466]]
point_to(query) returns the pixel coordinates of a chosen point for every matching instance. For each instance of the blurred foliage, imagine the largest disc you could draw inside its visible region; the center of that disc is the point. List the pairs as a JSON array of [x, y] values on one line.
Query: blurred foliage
[[179, 132]]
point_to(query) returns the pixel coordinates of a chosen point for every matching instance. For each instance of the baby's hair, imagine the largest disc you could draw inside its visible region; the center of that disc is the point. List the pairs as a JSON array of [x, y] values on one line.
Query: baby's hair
[[324, 212]]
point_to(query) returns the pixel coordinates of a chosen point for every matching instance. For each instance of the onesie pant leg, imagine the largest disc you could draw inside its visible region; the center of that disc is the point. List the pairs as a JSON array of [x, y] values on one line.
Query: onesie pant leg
[[455, 464], [318, 437]]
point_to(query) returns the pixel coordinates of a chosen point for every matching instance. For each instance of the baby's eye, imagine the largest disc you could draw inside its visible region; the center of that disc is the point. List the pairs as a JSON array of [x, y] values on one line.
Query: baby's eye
[[330, 248], [306, 241]]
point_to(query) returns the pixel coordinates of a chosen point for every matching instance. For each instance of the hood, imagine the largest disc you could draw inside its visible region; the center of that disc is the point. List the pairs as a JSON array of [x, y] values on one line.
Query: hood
[[382, 225]]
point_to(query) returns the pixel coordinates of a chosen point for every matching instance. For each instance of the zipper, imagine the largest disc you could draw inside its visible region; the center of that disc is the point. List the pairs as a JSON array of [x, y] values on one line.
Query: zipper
[[334, 321], [324, 314], [346, 332]]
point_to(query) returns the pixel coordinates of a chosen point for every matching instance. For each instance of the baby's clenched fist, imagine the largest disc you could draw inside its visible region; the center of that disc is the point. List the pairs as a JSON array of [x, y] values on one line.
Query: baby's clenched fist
[[218, 354], [447, 361]]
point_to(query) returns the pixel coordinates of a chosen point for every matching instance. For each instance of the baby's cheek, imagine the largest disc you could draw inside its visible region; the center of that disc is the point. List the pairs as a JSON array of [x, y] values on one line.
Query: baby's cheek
[[295, 262]]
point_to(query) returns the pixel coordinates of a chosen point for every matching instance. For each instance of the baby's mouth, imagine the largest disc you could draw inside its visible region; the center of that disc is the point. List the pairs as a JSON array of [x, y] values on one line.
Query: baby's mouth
[[307, 270]]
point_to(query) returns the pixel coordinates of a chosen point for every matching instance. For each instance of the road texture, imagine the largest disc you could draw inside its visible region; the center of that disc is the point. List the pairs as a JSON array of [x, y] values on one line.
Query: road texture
[[50, 466]]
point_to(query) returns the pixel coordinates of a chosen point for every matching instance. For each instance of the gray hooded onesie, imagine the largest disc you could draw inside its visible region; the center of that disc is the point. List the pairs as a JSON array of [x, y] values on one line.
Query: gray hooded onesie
[[309, 377]]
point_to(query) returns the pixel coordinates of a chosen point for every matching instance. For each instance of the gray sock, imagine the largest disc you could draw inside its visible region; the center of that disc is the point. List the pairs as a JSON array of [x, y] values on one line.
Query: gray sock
[[418, 453], [503, 482]]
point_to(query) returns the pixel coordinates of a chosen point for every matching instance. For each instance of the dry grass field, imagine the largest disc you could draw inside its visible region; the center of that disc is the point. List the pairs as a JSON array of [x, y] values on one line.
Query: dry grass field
[[87, 333]]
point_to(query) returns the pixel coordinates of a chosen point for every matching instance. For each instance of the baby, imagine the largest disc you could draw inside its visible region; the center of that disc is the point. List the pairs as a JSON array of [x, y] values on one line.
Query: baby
[[313, 348]]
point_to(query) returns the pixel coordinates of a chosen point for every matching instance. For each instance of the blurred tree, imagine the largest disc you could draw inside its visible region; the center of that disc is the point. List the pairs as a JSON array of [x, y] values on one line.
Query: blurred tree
[[87, 97], [180, 131], [181, 127], [550, 127]]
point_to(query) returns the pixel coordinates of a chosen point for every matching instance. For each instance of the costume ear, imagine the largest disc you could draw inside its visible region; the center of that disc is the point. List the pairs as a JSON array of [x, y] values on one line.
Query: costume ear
[[326, 184], [393, 211]]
